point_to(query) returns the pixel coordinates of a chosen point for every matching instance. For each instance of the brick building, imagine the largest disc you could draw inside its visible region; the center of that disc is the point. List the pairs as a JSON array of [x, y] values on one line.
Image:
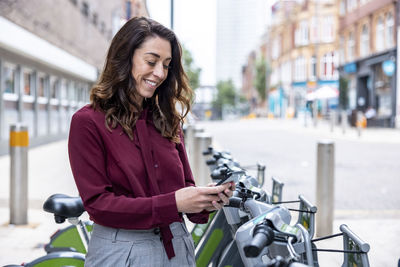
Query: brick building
[[50, 54], [367, 41], [302, 52]]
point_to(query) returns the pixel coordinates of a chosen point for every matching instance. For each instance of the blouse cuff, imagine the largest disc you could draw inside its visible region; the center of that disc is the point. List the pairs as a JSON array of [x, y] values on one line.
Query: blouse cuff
[[165, 208]]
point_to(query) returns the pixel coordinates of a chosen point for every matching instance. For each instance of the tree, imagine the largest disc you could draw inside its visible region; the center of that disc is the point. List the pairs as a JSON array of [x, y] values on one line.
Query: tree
[[343, 93], [260, 79], [226, 96], [191, 70]]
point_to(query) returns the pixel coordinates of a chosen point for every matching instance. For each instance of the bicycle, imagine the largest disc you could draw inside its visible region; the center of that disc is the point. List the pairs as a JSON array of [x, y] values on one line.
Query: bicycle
[[64, 208]]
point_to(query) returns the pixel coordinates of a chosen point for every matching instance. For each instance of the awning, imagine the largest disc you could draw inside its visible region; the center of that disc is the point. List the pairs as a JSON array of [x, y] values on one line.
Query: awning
[[324, 92]]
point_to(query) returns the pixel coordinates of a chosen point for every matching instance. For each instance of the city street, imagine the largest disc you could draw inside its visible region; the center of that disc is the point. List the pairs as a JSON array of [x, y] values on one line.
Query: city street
[[366, 182], [367, 174]]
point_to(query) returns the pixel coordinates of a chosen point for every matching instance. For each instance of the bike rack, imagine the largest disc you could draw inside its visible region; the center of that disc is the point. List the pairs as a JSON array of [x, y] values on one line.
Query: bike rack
[[355, 250]]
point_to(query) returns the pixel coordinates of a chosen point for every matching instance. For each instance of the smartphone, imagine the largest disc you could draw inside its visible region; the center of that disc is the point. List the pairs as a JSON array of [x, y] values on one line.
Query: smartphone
[[228, 179]]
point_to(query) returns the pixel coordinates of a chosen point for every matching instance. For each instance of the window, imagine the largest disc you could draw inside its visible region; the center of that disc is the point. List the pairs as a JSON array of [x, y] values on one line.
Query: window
[[329, 64], [327, 29], [350, 47], [27, 83], [41, 86], [276, 48], [313, 68], [389, 31], [9, 78], [342, 8], [314, 30], [351, 4], [54, 88], [63, 90], [380, 38], [300, 69], [301, 34], [304, 32], [364, 44], [287, 72]]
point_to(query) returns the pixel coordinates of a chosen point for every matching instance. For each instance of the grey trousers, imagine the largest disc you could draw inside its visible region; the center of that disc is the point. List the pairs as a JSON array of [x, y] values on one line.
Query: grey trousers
[[121, 248]]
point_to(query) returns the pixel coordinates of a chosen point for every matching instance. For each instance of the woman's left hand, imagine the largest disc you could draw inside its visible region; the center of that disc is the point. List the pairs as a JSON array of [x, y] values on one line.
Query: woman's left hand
[[223, 196]]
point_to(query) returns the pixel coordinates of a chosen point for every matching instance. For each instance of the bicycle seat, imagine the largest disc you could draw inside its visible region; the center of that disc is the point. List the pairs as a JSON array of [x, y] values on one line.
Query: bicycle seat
[[63, 207]]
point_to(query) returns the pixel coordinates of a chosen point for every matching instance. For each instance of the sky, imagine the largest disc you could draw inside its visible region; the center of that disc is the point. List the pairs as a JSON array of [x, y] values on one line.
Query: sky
[[195, 26]]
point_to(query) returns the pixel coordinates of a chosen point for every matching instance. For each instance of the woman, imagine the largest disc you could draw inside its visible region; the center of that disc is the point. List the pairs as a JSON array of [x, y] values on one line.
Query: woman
[[128, 158]]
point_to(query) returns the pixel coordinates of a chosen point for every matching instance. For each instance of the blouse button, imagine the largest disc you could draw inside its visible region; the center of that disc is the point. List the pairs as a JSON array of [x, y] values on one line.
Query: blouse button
[[155, 165]]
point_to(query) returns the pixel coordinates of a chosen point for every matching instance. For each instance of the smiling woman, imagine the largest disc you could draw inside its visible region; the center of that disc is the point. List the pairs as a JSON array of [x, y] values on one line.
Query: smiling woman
[[128, 157], [150, 65]]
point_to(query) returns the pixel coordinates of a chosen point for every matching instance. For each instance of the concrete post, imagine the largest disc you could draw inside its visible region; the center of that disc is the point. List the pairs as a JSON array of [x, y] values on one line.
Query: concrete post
[[344, 121], [200, 169], [332, 119], [315, 112], [19, 142], [359, 123], [191, 131], [325, 187]]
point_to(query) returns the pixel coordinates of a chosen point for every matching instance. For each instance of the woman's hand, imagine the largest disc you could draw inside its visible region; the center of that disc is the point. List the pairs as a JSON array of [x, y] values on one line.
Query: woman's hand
[[224, 197], [196, 199]]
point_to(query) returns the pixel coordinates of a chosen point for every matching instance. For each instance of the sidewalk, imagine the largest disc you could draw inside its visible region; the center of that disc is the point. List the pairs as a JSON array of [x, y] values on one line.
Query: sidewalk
[[323, 129], [49, 173]]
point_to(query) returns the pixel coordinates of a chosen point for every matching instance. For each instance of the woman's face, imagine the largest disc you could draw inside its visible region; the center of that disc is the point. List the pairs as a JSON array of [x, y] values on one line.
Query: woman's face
[[150, 65]]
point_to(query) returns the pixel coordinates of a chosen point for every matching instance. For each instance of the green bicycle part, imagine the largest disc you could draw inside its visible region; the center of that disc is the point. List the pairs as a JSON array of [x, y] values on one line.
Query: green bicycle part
[[209, 248], [59, 262], [69, 238], [199, 229], [59, 259]]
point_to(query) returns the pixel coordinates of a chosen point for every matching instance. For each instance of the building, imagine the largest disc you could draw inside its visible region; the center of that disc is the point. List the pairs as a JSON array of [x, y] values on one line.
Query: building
[[240, 25], [302, 53], [248, 75], [50, 55], [367, 40]]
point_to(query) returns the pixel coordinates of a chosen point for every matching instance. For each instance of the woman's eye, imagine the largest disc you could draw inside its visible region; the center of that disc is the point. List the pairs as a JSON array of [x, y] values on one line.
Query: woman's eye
[[167, 67], [151, 63]]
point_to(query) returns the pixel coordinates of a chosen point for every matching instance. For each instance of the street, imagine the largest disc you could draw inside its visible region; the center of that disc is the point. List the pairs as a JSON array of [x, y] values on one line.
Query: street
[[367, 173], [366, 182]]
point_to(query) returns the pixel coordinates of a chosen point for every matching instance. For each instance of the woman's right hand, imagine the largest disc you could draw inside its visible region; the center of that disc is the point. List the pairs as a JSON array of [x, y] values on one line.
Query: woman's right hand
[[196, 199]]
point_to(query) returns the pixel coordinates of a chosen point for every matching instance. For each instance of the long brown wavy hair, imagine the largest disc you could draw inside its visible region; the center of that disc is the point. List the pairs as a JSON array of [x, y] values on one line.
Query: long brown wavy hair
[[115, 91]]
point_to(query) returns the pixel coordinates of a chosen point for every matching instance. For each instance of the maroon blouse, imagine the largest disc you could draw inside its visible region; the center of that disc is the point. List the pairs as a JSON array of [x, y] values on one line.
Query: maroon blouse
[[128, 184]]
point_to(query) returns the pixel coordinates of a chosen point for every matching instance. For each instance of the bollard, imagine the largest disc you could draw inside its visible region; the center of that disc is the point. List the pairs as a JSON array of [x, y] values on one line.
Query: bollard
[[344, 121], [325, 187], [360, 122], [261, 174], [19, 141], [315, 113], [191, 131], [332, 119], [200, 169]]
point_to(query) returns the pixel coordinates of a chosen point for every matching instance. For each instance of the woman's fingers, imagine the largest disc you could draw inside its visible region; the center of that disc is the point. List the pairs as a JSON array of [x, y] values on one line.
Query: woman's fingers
[[217, 205]]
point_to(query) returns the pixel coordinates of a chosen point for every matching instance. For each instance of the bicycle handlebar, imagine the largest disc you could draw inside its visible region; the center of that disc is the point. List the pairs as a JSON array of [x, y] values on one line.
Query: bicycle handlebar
[[263, 236]]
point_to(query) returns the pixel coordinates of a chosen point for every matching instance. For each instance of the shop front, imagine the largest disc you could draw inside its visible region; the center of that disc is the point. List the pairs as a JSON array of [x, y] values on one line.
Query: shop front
[[375, 88]]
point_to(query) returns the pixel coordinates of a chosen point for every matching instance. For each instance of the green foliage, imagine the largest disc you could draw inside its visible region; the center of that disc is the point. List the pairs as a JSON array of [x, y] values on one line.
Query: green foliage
[[191, 70], [226, 96], [343, 93], [260, 79]]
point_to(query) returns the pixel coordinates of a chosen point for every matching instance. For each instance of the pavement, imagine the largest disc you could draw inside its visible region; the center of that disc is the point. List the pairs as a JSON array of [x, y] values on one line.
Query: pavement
[[49, 173]]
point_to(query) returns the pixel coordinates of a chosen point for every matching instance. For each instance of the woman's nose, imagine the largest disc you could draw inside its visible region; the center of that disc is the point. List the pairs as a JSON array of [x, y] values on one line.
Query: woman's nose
[[159, 71]]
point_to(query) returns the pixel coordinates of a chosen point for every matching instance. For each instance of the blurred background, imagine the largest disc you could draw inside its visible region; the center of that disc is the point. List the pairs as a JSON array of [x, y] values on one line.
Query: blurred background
[[271, 78]]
